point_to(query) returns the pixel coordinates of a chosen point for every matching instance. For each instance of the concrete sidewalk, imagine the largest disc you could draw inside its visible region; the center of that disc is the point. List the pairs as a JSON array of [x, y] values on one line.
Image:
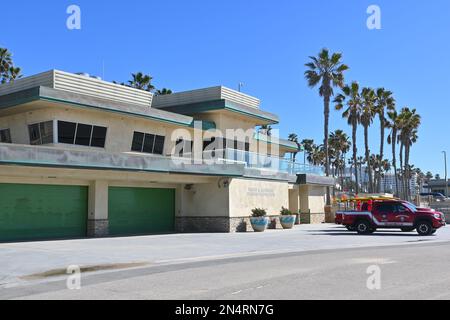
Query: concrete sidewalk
[[18, 260]]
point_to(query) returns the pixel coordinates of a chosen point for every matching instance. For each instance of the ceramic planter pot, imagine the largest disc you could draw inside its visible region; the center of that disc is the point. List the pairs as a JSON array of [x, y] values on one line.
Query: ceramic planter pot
[[259, 224], [288, 222]]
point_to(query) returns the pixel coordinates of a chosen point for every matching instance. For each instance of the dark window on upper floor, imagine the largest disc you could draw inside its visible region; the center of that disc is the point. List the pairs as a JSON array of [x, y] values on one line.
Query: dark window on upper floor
[[5, 136], [81, 134], [183, 147], [148, 143], [41, 133]]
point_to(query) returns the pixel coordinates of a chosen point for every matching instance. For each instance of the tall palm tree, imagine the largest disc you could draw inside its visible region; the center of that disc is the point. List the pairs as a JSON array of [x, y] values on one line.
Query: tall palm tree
[[360, 162], [384, 102], [393, 125], [294, 138], [367, 115], [5, 61], [340, 143], [141, 81], [326, 70], [410, 122], [307, 145], [351, 100]]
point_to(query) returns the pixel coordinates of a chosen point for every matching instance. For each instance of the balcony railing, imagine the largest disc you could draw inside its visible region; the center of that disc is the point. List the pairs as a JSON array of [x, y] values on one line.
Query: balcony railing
[[262, 162]]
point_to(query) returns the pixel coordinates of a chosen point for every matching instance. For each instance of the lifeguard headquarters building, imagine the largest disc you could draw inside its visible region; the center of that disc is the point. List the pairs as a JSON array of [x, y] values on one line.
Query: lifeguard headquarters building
[[82, 157]]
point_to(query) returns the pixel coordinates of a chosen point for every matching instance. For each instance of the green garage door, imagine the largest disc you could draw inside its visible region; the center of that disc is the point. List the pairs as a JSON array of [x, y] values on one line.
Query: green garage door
[[135, 211], [34, 212]]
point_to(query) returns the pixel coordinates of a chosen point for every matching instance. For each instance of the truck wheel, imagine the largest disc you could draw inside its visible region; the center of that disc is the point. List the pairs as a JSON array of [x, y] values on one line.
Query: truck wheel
[[408, 229], [424, 228], [363, 227]]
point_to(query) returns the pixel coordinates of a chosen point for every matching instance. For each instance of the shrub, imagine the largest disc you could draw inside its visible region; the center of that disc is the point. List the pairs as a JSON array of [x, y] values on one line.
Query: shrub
[[258, 213], [285, 212]]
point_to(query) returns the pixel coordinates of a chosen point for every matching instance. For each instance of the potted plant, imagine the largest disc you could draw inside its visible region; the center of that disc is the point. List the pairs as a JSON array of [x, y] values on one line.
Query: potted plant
[[287, 219], [259, 220]]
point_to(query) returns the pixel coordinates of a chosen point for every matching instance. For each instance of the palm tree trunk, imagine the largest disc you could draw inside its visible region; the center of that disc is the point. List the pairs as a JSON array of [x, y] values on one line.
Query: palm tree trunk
[[394, 159], [402, 176], [369, 168], [355, 154], [382, 138], [326, 101], [408, 174]]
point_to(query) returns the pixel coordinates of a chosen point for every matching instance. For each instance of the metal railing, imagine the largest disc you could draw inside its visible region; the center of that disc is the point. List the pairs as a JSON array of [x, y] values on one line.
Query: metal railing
[[262, 162]]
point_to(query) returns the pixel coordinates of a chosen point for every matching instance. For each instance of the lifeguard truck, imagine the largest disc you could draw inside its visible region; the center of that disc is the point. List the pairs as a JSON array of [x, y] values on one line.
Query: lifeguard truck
[[373, 213]]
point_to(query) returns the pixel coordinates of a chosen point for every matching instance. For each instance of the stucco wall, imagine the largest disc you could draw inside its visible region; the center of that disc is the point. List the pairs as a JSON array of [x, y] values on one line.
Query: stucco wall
[[204, 200], [246, 195], [120, 129]]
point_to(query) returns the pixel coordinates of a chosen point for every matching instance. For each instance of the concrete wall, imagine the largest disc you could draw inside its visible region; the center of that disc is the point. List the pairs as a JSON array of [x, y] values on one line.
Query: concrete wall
[[246, 195], [312, 203], [120, 129]]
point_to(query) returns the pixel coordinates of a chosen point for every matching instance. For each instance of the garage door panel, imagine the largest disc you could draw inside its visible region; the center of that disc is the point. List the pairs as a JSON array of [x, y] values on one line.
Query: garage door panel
[[33, 212], [134, 211]]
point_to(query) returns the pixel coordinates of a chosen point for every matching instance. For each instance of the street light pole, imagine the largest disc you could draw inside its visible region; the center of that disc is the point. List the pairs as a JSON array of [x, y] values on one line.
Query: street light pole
[[446, 179]]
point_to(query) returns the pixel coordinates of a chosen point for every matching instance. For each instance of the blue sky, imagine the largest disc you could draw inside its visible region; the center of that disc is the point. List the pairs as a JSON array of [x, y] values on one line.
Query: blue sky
[[264, 44]]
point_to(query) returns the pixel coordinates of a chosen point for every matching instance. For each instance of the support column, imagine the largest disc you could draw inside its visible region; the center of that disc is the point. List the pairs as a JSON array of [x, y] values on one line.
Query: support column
[[98, 224]]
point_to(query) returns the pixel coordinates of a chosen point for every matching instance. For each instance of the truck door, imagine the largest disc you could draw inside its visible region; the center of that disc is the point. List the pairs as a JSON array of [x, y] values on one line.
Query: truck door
[[381, 213], [401, 217]]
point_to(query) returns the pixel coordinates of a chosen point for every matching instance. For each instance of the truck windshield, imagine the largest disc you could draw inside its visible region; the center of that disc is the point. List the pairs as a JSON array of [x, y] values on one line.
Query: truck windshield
[[410, 206]]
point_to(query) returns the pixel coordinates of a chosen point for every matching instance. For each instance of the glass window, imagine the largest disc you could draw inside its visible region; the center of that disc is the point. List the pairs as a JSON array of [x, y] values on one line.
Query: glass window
[[66, 132], [99, 137], [83, 135], [149, 143], [138, 142], [46, 129], [35, 136], [41, 133], [5, 136], [159, 145]]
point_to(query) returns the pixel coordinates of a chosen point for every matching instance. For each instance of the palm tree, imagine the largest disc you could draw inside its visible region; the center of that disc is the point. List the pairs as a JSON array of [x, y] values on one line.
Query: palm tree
[[307, 145], [163, 92], [327, 71], [294, 138], [367, 115], [360, 162], [5, 62], [13, 74], [340, 143], [141, 82], [384, 101], [351, 99], [393, 124], [317, 155], [409, 122]]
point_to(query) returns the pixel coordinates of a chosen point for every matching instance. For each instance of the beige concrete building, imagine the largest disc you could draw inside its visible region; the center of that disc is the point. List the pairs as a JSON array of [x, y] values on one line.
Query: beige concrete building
[[84, 157]]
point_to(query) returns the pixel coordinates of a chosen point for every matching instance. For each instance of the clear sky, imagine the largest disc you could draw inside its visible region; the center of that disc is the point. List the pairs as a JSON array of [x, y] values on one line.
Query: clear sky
[[264, 44]]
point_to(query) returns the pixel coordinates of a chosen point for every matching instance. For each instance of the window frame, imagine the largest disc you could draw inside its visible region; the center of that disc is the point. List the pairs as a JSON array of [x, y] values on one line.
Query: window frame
[[38, 123], [9, 134], [144, 139], [77, 124]]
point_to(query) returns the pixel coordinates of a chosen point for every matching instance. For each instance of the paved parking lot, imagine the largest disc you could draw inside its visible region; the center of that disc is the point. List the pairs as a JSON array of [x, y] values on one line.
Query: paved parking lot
[[18, 260]]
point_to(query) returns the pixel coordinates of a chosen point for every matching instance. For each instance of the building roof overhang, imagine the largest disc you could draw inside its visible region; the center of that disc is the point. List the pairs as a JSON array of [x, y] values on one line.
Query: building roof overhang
[[84, 101], [262, 117]]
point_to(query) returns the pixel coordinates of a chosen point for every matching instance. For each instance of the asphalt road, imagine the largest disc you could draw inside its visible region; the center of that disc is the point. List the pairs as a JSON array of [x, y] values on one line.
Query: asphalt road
[[416, 271]]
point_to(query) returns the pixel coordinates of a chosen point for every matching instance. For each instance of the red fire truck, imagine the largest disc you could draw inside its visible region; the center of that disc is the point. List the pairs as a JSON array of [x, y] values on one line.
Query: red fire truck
[[372, 214]]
